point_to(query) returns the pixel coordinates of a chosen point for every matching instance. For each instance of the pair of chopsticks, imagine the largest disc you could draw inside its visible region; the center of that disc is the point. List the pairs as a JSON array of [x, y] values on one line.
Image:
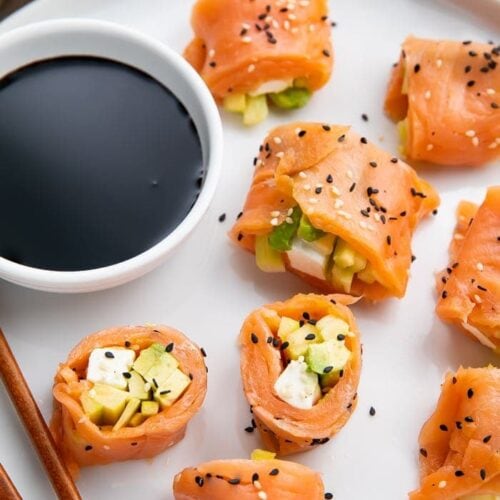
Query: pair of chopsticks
[[37, 429]]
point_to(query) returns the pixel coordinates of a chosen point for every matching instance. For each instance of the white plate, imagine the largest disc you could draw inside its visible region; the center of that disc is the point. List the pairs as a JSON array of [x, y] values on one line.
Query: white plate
[[208, 287]]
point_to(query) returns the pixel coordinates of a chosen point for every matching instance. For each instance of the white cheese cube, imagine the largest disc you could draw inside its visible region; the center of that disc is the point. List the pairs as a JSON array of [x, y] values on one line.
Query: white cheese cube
[[107, 365], [306, 258], [272, 87]]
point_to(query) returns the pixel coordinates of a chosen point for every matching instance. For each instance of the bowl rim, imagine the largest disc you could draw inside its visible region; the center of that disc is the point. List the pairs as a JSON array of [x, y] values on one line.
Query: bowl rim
[[121, 272]]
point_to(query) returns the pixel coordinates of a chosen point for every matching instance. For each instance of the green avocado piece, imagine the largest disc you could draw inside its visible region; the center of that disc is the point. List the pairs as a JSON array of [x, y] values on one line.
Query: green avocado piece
[[158, 374], [329, 379], [267, 258], [150, 408], [344, 255], [113, 402], [367, 275], [129, 411], [256, 110], [136, 420], [91, 408], [341, 278], [282, 236], [331, 327], [235, 103], [327, 357], [298, 343], [287, 326], [307, 231], [137, 386], [168, 393], [291, 98], [147, 358]]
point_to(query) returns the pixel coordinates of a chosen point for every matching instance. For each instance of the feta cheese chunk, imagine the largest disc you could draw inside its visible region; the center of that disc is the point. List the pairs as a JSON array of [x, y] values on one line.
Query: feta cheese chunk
[[107, 365], [298, 386], [307, 258], [272, 87]]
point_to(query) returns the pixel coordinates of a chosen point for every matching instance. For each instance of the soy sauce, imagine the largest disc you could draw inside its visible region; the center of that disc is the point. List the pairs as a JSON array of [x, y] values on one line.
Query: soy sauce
[[98, 163]]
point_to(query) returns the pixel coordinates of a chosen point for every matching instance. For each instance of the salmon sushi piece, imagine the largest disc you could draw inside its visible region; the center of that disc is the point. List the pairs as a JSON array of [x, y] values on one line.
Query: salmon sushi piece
[[469, 288], [300, 365], [267, 479], [460, 443], [126, 393], [335, 209], [445, 96], [254, 53]]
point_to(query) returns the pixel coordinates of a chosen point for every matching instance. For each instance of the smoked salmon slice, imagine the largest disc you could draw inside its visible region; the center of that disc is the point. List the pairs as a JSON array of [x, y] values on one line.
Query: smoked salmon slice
[[460, 443], [261, 47], [314, 332], [469, 288], [248, 480], [82, 442], [333, 208], [445, 96]]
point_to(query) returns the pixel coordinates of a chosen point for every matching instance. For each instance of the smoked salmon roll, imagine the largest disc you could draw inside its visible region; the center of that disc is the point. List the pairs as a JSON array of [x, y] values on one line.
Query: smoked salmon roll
[[300, 365], [445, 96], [460, 443], [469, 288], [333, 208], [126, 393], [248, 480], [259, 52]]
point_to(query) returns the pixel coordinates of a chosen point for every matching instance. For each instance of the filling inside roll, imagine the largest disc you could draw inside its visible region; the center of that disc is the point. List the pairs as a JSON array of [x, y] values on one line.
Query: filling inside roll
[[314, 355], [311, 251], [125, 385], [285, 94]]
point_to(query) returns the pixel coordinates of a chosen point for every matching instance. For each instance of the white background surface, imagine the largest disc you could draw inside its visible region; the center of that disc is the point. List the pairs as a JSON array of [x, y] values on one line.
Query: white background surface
[[207, 288]]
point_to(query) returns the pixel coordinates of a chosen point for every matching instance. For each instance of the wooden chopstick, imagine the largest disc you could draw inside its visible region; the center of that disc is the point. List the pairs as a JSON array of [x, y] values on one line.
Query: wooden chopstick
[[34, 423], [7, 489]]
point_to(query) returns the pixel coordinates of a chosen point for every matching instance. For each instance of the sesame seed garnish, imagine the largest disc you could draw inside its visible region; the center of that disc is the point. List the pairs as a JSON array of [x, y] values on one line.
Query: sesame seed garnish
[[363, 140], [344, 214], [472, 53], [310, 336], [109, 355], [328, 496], [249, 429], [302, 133], [234, 481], [471, 83], [490, 91], [427, 94], [439, 63], [275, 221], [274, 472], [416, 68], [373, 164], [212, 64], [469, 420], [423, 452], [302, 175], [306, 187], [170, 347], [127, 375], [326, 53], [275, 213], [443, 427], [88, 447], [284, 345], [240, 236], [482, 473], [364, 117], [254, 338], [222, 217], [467, 69], [327, 369], [335, 190], [313, 200], [353, 187], [459, 473], [372, 411], [338, 203], [199, 481], [444, 294], [470, 133], [475, 141], [280, 154], [211, 53], [389, 239], [318, 190], [442, 484], [477, 299], [262, 495], [289, 220], [251, 68], [429, 147], [486, 438], [277, 140], [341, 138], [458, 425]]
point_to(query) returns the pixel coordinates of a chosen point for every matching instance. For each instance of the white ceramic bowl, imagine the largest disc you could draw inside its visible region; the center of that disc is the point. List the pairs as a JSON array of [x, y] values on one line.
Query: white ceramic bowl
[[102, 39]]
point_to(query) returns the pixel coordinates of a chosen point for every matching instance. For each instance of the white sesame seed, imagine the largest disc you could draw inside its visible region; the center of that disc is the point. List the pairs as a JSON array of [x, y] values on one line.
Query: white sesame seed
[[480, 266], [427, 94], [275, 24], [477, 299], [280, 154], [289, 220], [376, 217], [290, 211], [246, 39], [442, 484], [274, 222], [430, 147], [251, 68], [107, 447], [211, 53], [257, 484], [338, 203], [298, 130], [335, 190], [370, 228], [439, 62], [313, 200], [302, 175], [350, 174], [294, 30], [246, 26], [262, 495], [458, 236], [269, 19], [344, 214], [493, 145], [275, 213], [304, 3], [475, 141], [470, 133], [312, 28], [83, 419], [497, 140], [277, 140], [490, 91], [286, 24], [307, 187], [290, 6], [362, 224]]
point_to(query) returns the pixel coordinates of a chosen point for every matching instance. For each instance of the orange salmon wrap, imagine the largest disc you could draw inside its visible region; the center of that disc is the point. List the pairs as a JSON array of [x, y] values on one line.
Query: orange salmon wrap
[[286, 429], [447, 94], [81, 442], [347, 187], [460, 443], [469, 288], [240, 45], [248, 480]]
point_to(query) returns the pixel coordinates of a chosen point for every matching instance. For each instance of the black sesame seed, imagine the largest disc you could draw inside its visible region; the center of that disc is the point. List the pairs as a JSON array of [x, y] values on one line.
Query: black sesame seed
[[471, 83], [364, 117], [459, 473], [306, 315], [469, 419], [318, 190], [326, 53], [467, 42], [467, 69], [255, 477], [329, 179], [276, 342], [284, 345], [239, 215], [394, 160], [470, 393], [443, 427], [494, 105], [341, 138], [416, 68], [403, 213], [482, 473], [127, 343], [454, 380], [249, 429], [234, 481], [372, 411], [423, 452], [240, 236], [109, 355], [254, 338], [352, 188], [155, 383], [134, 443], [126, 375], [310, 336], [203, 352], [327, 369], [458, 425], [166, 391], [222, 217], [389, 239], [444, 294], [373, 164], [328, 496], [486, 438], [190, 376], [472, 53], [88, 447], [482, 288], [274, 472], [364, 140], [302, 133], [170, 347], [199, 481], [327, 128]]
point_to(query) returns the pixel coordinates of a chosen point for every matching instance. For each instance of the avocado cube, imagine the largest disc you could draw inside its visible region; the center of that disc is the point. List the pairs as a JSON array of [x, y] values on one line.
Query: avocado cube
[[91, 408], [298, 343], [325, 244], [341, 278], [281, 237], [136, 420], [256, 110], [331, 327], [328, 357], [149, 408], [291, 98], [287, 326], [367, 275], [235, 103], [328, 380], [172, 389], [137, 386], [112, 400], [262, 455], [307, 231], [344, 255], [129, 411], [267, 258], [161, 371], [147, 358]]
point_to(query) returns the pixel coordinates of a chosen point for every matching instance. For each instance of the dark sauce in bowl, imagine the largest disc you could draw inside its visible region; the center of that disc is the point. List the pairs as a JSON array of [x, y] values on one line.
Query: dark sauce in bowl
[[98, 163]]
